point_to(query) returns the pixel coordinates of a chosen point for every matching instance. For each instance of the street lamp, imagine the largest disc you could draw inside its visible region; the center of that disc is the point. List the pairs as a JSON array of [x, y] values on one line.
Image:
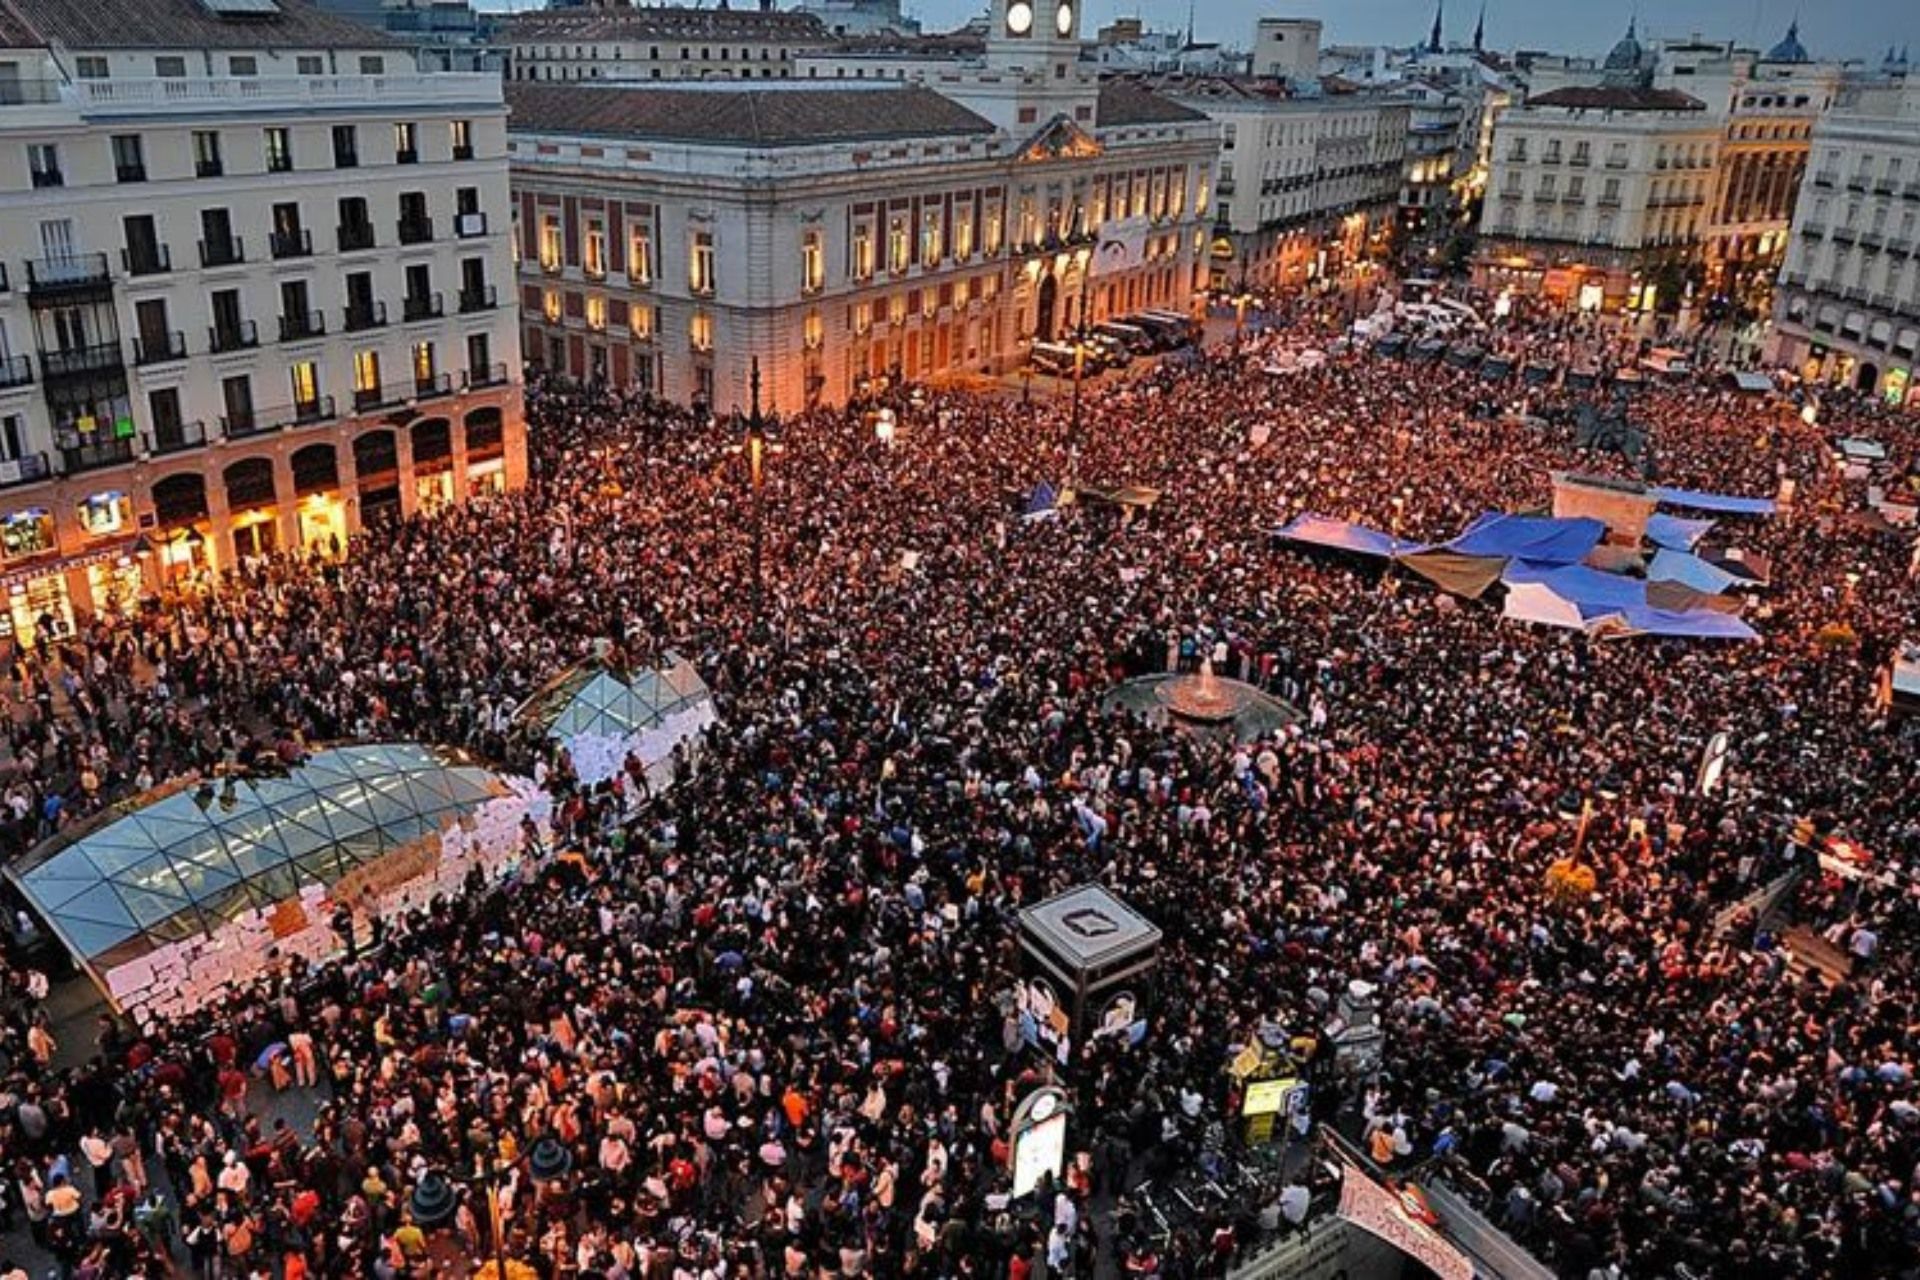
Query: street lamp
[[756, 446]]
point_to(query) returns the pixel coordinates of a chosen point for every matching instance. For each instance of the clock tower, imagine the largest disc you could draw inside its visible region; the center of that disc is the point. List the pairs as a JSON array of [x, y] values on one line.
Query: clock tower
[[1032, 34], [1032, 71]]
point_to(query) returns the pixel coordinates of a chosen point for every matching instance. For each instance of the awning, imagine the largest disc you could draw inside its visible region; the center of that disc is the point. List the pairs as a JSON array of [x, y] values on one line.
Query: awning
[[1339, 535], [1724, 503]]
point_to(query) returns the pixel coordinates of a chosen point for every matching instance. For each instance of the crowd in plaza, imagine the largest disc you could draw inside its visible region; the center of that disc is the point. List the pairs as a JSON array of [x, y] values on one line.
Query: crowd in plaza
[[764, 1010]]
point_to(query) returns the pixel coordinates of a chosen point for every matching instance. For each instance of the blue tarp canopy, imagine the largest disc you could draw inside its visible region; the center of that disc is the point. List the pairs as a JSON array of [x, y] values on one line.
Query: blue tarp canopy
[[1675, 531], [1596, 592], [1042, 500], [1542, 538], [1720, 502], [1323, 531], [1690, 570], [1694, 624]]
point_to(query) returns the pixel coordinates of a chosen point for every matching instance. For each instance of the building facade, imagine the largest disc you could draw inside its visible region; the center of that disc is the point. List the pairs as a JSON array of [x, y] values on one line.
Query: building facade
[[1847, 309], [666, 42], [1598, 197], [250, 276], [839, 235], [1307, 182]]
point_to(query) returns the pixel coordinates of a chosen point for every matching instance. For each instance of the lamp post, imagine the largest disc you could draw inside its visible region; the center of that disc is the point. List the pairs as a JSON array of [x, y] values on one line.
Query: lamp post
[[757, 447]]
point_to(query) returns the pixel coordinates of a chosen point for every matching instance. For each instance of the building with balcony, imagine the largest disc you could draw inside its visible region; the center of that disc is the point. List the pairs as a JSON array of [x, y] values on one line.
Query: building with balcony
[[839, 234], [1308, 176], [1847, 307], [1598, 196], [227, 233], [658, 42]]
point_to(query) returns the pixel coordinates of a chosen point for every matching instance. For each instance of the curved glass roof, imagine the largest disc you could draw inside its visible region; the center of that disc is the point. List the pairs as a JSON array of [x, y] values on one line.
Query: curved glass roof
[[594, 698], [162, 869]]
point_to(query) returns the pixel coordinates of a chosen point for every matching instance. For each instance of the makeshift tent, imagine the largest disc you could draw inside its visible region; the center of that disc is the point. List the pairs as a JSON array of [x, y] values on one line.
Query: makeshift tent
[[1466, 576], [1535, 375], [602, 714], [1465, 356], [1338, 535], [1752, 383], [1542, 538], [1859, 449], [1678, 597], [1496, 368], [1685, 567], [1394, 344], [1538, 603], [1723, 503], [1042, 500], [1747, 568], [1590, 589], [1675, 531], [1431, 349], [1698, 624]]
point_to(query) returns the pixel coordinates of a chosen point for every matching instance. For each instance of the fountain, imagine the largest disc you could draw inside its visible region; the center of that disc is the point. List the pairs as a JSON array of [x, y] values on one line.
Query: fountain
[[1202, 704], [1200, 699]]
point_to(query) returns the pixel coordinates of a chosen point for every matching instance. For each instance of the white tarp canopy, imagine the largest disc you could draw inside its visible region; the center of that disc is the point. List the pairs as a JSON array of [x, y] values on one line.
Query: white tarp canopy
[[1538, 603]]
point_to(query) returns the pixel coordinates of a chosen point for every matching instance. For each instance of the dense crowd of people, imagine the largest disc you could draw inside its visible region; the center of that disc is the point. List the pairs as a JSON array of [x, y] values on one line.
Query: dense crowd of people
[[765, 1012]]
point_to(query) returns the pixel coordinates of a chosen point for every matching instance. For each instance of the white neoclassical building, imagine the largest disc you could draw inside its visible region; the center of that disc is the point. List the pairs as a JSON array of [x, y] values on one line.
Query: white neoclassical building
[[927, 228], [1847, 309], [255, 292]]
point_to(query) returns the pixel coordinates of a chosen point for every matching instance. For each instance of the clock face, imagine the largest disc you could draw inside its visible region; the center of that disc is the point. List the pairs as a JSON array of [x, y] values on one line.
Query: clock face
[[1019, 17], [1063, 19]]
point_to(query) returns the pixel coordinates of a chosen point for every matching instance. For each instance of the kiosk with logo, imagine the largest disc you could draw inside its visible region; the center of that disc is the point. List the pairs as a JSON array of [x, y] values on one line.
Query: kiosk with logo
[[1086, 962]]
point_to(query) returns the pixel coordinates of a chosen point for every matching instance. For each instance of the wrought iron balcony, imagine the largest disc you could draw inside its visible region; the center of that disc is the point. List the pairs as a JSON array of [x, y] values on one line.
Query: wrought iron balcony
[[485, 298], [291, 244], [158, 347], [238, 336], [306, 324], [370, 316], [223, 253]]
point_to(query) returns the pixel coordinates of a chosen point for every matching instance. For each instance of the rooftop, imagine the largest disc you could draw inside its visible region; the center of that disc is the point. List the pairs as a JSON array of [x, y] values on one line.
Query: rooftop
[[733, 114], [1123, 102], [1614, 97], [667, 22], [178, 24]]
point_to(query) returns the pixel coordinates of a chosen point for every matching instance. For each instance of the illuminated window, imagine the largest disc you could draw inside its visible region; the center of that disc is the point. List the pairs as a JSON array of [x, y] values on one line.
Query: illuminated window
[[106, 513], [550, 304], [931, 248], [550, 249], [897, 309], [862, 317], [640, 321], [593, 253], [640, 256], [700, 331], [996, 229], [1203, 197], [366, 371], [1028, 230], [423, 362], [815, 330], [596, 313], [700, 265], [863, 252], [899, 250], [305, 379], [813, 261], [963, 233]]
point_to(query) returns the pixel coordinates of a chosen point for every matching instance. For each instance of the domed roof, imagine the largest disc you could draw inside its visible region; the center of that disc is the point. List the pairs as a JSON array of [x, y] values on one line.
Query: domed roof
[[1790, 49], [1626, 55]]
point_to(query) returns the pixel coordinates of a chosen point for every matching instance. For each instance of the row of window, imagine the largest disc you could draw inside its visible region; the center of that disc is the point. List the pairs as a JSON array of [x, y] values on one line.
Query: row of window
[[174, 66], [146, 253], [276, 149], [591, 53]]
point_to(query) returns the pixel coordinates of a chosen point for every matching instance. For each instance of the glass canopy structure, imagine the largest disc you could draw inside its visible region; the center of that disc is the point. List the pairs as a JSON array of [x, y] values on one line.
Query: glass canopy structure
[[166, 867], [593, 699]]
